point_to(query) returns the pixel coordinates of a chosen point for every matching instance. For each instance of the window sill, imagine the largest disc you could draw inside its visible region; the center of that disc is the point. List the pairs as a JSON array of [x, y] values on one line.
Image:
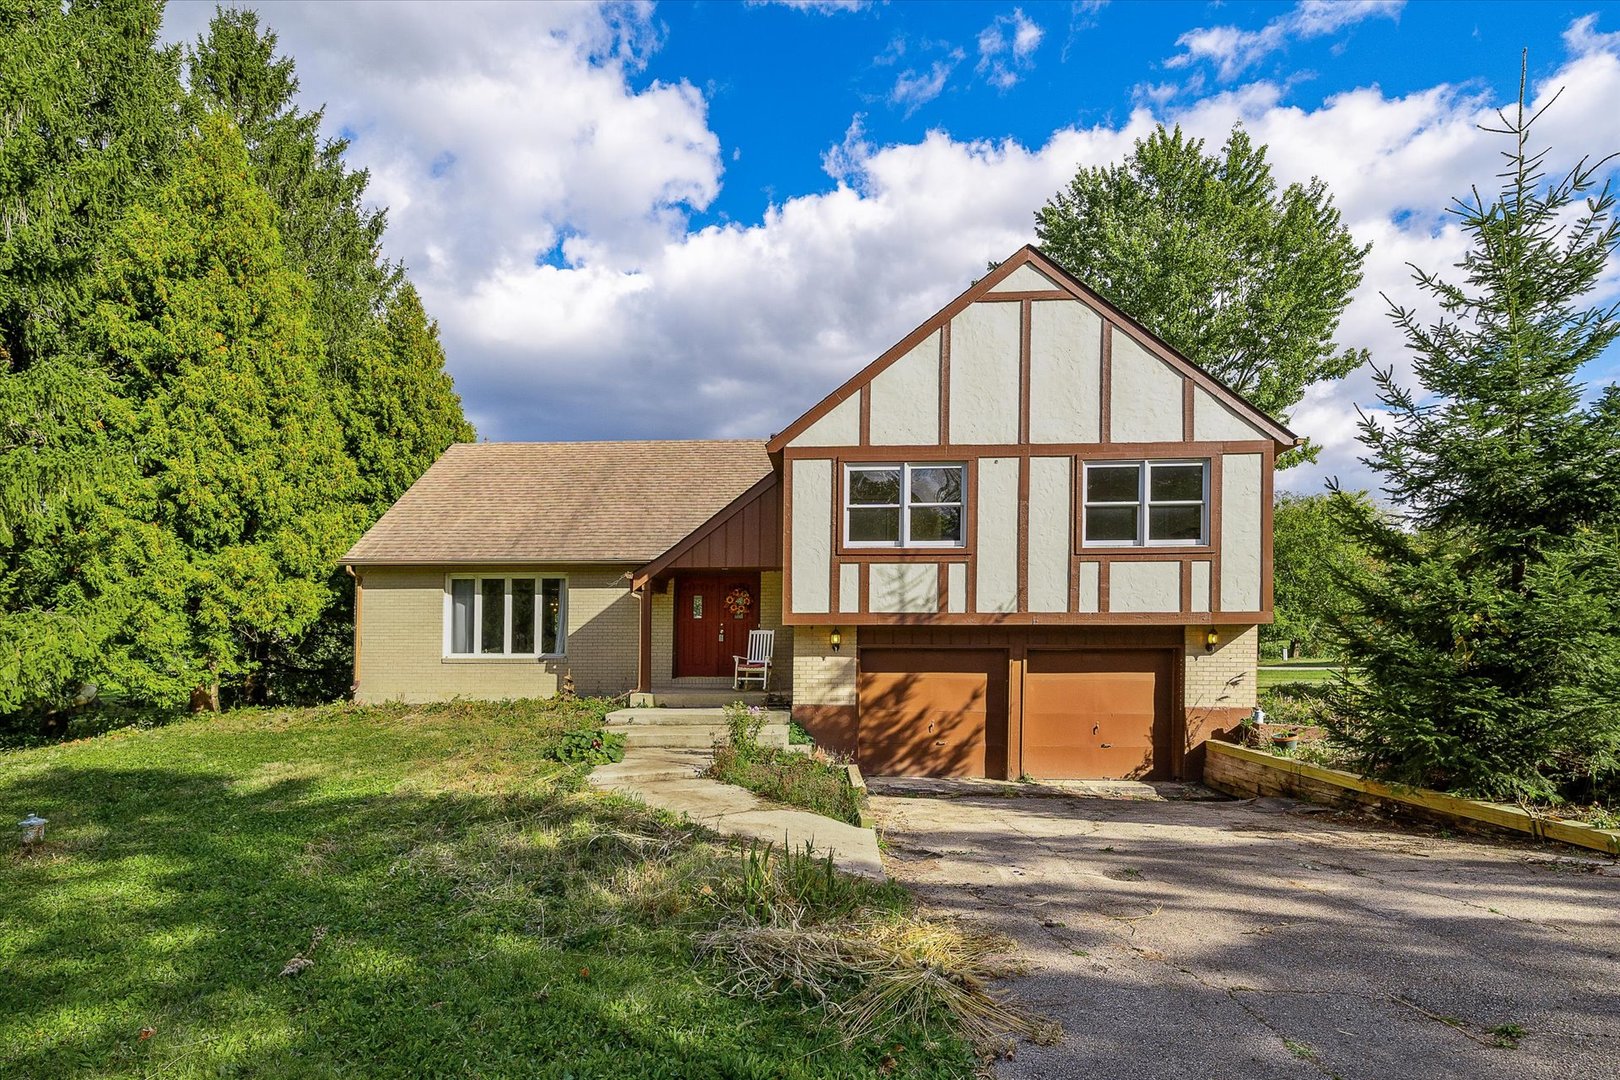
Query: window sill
[[496, 658], [1138, 551]]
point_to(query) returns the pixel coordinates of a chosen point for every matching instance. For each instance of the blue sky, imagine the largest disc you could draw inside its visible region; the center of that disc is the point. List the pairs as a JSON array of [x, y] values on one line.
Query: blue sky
[[689, 219], [783, 83]]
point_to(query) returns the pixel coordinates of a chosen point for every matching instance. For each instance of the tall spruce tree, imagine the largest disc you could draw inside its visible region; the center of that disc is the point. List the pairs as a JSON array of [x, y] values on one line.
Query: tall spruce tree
[[243, 471], [384, 366], [1486, 634], [1202, 248], [90, 113], [328, 232]]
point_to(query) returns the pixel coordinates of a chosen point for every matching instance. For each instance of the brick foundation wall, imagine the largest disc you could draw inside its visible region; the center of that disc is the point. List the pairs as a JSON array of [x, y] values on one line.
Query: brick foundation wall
[[824, 686], [1218, 689]]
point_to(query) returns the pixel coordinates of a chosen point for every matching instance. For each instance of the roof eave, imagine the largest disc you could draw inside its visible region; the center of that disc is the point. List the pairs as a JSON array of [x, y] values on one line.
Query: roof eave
[[490, 560]]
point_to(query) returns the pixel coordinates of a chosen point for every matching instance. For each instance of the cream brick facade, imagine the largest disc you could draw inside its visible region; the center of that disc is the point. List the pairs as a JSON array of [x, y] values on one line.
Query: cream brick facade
[[1225, 678], [821, 676], [402, 638]]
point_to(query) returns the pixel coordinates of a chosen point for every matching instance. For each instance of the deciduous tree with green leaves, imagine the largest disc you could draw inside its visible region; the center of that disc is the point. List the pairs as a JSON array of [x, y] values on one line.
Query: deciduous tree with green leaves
[[1311, 551], [1204, 251], [1485, 630]]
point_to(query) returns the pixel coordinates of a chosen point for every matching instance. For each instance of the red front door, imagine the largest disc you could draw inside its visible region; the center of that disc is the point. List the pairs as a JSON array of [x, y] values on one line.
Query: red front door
[[713, 615]]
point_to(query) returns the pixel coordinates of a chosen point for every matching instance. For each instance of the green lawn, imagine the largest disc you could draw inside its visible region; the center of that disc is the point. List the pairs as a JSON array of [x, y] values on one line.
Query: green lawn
[[1279, 672], [468, 910]]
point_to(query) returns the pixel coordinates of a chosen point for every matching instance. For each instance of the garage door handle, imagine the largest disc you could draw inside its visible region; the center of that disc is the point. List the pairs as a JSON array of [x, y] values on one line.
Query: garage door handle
[[1096, 729], [1107, 745]]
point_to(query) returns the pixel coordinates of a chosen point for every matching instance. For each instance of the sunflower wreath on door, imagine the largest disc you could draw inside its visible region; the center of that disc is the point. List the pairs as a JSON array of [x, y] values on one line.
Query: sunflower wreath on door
[[738, 601]]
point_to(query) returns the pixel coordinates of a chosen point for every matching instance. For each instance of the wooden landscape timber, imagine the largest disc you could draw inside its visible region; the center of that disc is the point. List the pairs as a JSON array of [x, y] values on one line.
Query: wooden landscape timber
[[1246, 773]]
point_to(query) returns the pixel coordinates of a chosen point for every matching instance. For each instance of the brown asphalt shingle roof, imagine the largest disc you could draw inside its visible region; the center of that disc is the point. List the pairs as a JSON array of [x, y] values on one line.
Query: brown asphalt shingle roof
[[625, 502]]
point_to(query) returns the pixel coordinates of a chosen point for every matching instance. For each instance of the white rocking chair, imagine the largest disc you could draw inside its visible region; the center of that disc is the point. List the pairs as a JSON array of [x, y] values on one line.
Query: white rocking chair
[[756, 666]]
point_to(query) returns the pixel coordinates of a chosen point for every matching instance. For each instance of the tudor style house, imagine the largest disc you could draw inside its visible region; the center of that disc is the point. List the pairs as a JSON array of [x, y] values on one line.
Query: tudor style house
[[1031, 539]]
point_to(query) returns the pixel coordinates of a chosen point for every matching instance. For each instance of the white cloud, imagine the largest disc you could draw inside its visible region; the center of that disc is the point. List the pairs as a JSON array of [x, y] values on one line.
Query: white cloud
[[1233, 50], [652, 328], [1582, 37], [818, 7], [913, 89], [1007, 48], [529, 111]]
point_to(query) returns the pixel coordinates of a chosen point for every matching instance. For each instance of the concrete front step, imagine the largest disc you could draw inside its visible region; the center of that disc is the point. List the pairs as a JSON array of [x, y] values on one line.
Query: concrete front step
[[690, 697], [693, 736], [682, 717], [652, 765], [687, 728]]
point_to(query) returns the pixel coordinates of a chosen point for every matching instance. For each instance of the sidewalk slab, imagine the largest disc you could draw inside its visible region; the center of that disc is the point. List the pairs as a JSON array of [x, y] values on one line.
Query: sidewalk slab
[[670, 779]]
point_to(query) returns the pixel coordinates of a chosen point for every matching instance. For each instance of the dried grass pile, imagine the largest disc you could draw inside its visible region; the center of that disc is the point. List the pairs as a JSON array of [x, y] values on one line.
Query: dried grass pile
[[872, 975]]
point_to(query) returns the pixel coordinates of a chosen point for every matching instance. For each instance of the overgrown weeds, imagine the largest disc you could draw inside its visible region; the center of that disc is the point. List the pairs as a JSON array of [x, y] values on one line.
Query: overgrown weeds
[[806, 780], [873, 973], [590, 746], [787, 776]]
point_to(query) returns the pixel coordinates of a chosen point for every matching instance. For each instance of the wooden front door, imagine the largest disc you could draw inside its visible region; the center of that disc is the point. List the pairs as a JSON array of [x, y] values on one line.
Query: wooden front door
[[708, 631]]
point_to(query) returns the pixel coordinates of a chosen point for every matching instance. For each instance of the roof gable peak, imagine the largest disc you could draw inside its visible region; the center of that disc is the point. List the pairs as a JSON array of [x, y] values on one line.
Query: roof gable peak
[[1009, 279]]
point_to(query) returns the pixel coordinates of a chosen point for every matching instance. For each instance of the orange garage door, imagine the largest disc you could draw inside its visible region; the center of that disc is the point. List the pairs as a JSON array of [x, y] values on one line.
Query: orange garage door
[[1097, 714], [927, 712]]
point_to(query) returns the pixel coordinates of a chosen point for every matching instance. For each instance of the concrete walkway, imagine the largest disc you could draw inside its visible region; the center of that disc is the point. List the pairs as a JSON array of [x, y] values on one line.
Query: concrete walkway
[[670, 778]]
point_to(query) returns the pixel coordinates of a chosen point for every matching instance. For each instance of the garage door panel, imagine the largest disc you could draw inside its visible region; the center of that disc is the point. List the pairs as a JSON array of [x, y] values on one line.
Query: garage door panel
[[1097, 714], [927, 712]]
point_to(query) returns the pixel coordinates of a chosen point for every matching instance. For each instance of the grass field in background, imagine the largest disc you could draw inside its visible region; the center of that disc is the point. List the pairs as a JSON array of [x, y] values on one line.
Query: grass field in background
[[1278, 672]]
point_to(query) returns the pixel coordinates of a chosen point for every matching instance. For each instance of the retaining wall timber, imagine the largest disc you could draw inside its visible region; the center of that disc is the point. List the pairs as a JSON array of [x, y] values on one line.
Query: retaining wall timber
[[1246, 773]]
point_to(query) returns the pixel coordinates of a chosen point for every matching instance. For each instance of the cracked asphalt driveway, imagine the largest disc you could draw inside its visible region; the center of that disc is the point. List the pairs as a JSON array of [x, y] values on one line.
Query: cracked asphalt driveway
[[1261, 939]]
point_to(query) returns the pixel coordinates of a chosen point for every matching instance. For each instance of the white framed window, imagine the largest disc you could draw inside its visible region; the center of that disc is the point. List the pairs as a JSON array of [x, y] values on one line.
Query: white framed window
[[522, 615], [1146, 504], [918, 504]]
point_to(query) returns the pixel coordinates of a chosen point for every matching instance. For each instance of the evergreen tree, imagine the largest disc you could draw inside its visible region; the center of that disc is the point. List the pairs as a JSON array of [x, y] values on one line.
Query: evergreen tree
[[326, 229], [242, 463], [401, 409], [384, 366], [90, 112], [1486, 633], [1203, 250]]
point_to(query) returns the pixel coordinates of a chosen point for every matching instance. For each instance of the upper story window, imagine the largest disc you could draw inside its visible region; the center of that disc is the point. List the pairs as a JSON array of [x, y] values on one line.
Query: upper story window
[[1146, 503], [913, 504], [505, 616]]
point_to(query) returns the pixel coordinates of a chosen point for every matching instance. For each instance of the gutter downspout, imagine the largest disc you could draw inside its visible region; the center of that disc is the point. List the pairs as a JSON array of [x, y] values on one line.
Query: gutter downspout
[[644, 639], [359, 593]]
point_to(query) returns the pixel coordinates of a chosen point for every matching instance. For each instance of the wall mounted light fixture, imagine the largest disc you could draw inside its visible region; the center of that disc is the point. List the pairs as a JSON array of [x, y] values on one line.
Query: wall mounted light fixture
[[835, 639], [1211, 639]]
